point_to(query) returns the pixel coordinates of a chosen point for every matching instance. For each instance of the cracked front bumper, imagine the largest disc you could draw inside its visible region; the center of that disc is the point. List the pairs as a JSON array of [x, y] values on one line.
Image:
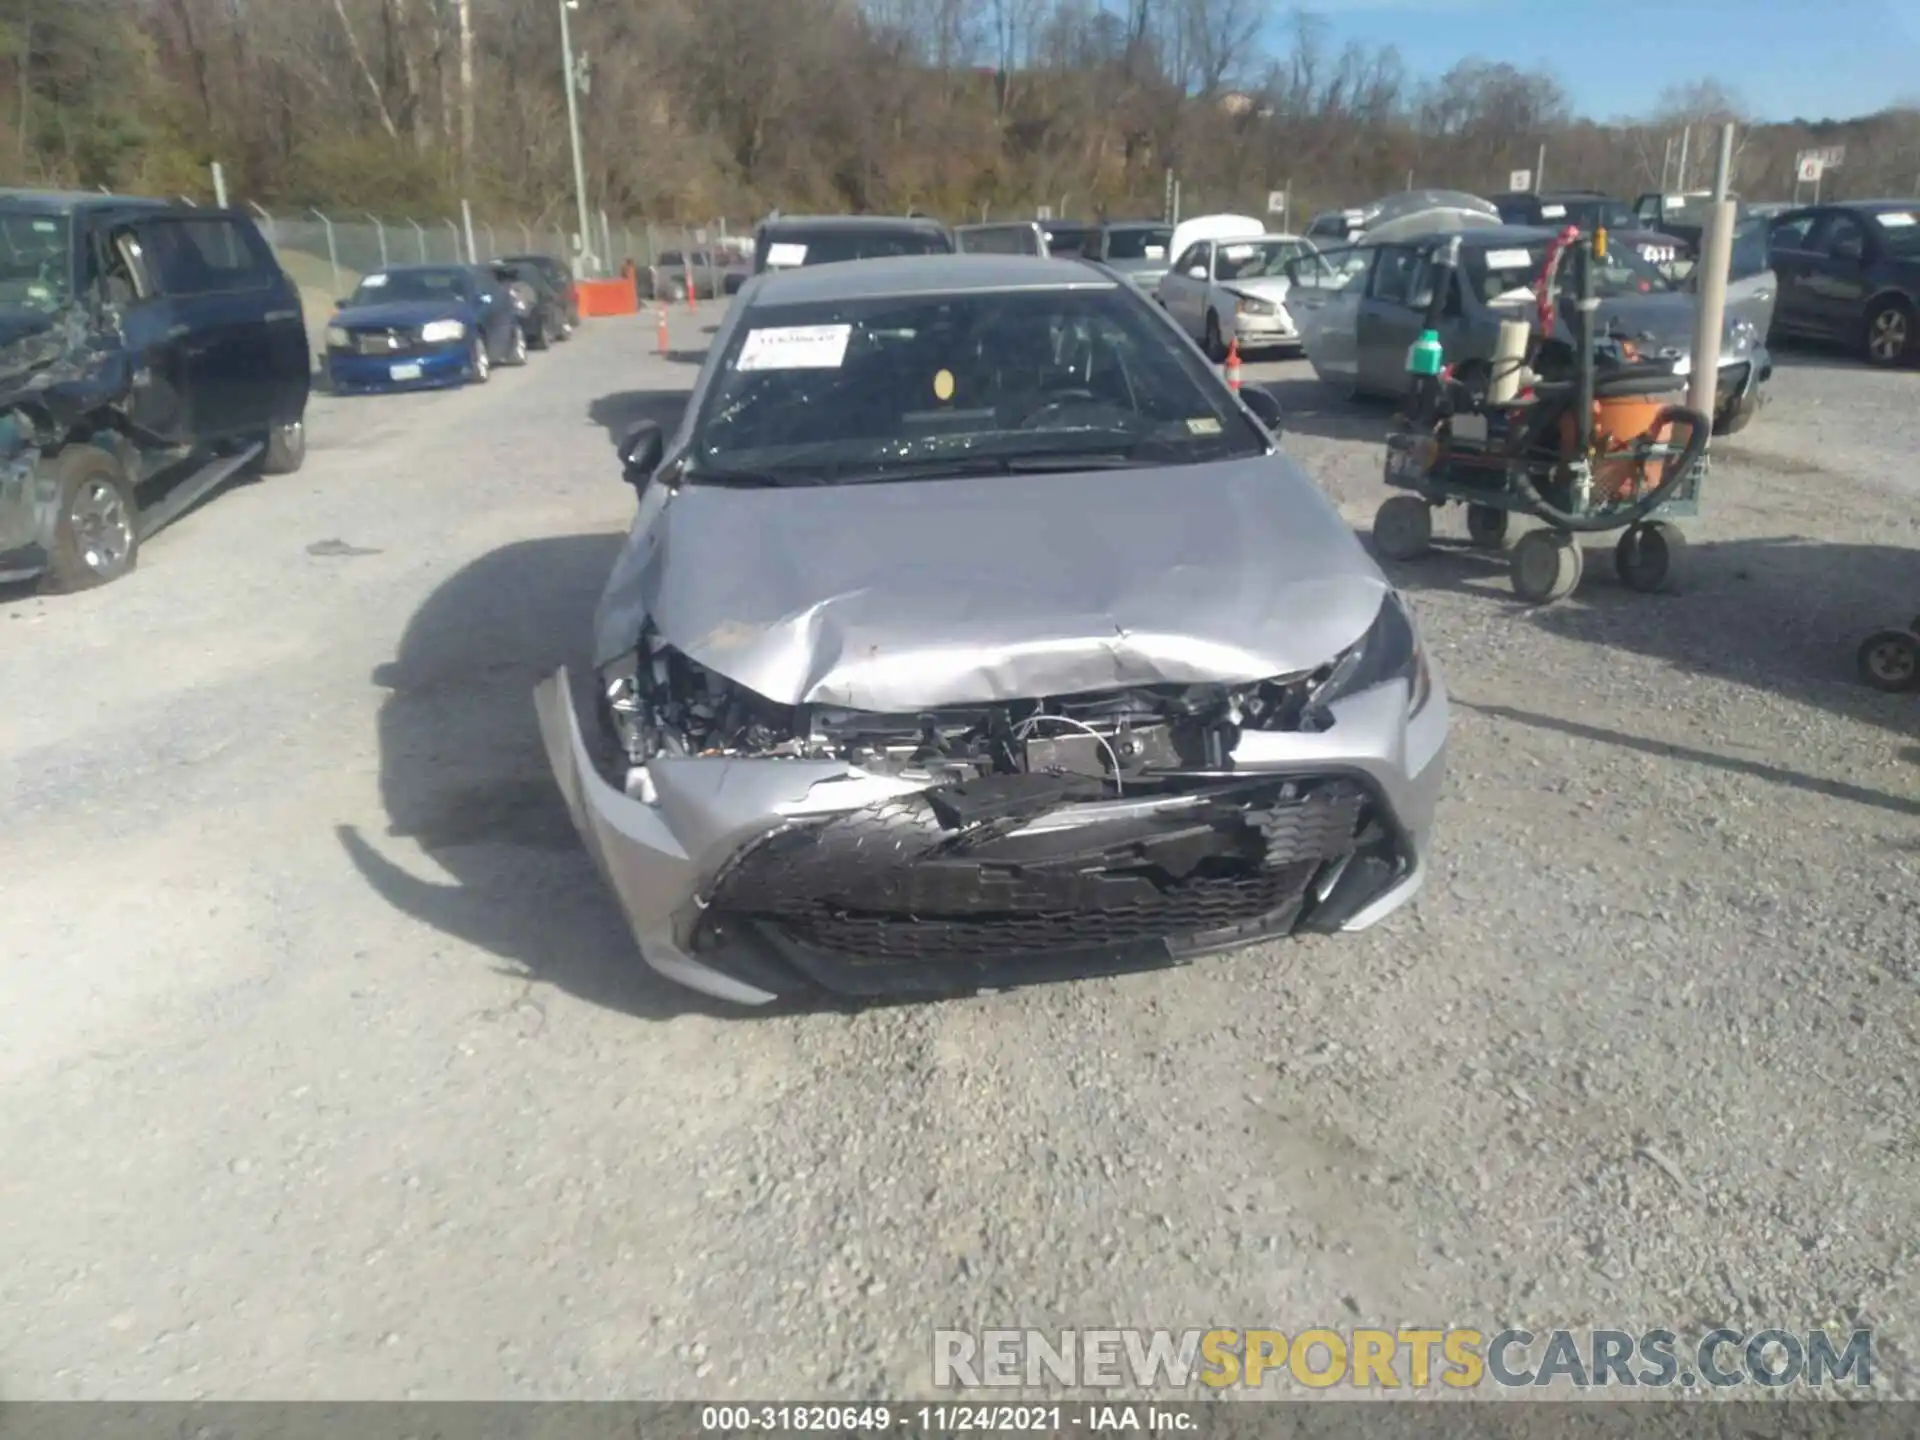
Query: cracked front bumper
[[676, 863]]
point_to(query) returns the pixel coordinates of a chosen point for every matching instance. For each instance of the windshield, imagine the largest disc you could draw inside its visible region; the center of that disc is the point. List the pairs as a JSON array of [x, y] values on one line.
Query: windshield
[[872, 389], [1900, 233], [826, 247], [1147, 243], [1506, 274], [389, 285], [1256, 259], [35, 266]]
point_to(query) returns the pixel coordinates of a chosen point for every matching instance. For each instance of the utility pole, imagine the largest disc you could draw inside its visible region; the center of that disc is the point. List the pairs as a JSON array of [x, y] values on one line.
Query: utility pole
[[219, 186], [1716, 257], [1666, 164], [573, 129], [1539, 169], [1680, 182]]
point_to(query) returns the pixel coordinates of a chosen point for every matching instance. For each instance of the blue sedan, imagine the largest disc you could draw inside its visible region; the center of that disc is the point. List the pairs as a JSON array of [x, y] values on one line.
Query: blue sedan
[[422, 326]]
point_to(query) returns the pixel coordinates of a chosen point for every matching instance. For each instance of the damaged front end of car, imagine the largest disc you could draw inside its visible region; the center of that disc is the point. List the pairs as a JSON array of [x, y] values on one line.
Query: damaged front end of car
[[62, 378], [1001, 841]]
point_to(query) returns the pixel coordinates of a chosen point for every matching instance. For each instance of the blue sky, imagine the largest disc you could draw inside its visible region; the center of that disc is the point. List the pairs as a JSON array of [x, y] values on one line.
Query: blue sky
[[1781, 57]]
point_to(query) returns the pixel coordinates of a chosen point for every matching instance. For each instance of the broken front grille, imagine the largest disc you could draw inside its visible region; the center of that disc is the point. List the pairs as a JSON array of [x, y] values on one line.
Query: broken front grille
[[892, 883], [385, 343]]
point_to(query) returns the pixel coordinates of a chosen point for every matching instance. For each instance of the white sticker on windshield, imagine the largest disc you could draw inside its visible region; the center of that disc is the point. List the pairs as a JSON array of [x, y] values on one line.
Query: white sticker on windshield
[[374, 282], [1156, 252], [785, 252], [45, 227], [1237, 252], [1203, 425], [1509, 260], [1894, 219], [1675, 202], [1552, 212], [795, 347]]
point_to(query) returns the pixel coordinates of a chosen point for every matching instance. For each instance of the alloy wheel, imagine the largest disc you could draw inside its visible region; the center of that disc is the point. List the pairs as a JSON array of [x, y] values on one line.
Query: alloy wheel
[[102, 526]]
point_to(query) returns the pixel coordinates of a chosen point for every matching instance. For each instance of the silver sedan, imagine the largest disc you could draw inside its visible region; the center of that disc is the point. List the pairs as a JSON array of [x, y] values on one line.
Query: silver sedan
[[972, 632]]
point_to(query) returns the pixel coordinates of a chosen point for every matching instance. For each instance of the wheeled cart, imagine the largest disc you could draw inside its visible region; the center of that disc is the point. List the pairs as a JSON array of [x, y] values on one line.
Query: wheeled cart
[[1587, 438]]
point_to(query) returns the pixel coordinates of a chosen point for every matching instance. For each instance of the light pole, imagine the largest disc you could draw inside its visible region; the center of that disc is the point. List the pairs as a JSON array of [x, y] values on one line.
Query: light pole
[[573, 128]]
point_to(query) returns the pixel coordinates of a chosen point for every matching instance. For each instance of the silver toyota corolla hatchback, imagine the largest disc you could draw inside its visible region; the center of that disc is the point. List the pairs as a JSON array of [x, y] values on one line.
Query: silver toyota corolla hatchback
[[972, 632]]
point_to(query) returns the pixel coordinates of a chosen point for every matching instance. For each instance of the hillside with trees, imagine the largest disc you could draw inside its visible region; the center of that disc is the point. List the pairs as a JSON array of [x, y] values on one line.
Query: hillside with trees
[[699, 108]]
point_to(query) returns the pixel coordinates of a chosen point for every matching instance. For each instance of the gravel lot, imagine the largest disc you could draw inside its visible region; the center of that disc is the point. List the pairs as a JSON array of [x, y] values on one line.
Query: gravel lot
[[330, 1071]]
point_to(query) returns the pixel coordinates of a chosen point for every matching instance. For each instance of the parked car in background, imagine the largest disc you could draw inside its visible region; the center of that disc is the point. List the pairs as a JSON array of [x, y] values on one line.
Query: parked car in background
[[1851, 273], [1136, 249], [1330, 227], [1360, 308], [674, 274], [1683, 215], [148, 352], [788, 241], [418, 326], [1010, 237], [1592, 210], [1220, 291], [1066, 238], [557, 313], [1064, 668]]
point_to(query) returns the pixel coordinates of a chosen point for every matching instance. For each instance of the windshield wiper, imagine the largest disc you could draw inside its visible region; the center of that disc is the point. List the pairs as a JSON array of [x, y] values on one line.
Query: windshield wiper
[[755, 479]]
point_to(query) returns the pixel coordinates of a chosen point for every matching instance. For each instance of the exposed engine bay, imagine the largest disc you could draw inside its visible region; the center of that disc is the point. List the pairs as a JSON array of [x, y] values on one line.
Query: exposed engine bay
[[660, 703]]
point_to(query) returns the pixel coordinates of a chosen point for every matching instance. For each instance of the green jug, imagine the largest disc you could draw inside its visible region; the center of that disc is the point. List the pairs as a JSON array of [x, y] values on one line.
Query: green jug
[[1424, 356]]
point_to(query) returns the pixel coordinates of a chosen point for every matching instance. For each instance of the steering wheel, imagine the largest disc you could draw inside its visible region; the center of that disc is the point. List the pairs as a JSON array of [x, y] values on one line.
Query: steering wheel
[[1058, 400]]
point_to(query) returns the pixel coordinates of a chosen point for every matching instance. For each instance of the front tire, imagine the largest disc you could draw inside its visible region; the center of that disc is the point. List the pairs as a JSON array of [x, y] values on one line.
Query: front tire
[[542, 336], [97, 533], [286, 449], [1735, 415], [516, 345], [1890, 333], [1889, 661], [479, 362]]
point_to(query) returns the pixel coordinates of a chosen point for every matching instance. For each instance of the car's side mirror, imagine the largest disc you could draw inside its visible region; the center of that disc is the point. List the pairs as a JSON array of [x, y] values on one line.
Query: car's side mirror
[[1266, 409], [340, 304], [641, 451], [1198, 272]]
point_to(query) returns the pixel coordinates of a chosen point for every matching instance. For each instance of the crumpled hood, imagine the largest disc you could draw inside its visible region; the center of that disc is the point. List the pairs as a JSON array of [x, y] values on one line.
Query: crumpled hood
[[401, 313], [1264, 287], [904, 596]]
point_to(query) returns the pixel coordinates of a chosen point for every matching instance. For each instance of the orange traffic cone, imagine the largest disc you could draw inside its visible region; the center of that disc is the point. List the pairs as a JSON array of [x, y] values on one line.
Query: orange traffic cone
[[693, 302], [1233, 364], [660, 327]]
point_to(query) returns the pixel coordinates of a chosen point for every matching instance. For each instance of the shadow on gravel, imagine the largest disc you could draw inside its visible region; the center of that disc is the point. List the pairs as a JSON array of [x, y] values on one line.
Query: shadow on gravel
[[621, 411], [1312, 407], [464, 777], [1785, 615]]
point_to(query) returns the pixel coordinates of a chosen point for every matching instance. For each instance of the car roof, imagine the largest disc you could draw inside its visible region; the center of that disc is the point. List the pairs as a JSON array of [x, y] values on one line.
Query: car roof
[[63, 202], [852, 222], [1136, 225], [1876, 207], [1480, 237], [423, 265], [926, 275]]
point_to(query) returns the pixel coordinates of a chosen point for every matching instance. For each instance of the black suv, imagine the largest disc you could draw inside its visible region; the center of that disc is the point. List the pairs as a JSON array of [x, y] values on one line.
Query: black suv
[[1851, 272], [825, 239], [148, 351]]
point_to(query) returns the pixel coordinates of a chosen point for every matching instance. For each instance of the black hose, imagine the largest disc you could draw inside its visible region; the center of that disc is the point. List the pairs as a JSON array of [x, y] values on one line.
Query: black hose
[[1699, 428]]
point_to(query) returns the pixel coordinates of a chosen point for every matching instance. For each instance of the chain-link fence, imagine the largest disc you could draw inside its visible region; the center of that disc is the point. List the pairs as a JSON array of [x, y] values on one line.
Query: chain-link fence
[[331, 249]]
